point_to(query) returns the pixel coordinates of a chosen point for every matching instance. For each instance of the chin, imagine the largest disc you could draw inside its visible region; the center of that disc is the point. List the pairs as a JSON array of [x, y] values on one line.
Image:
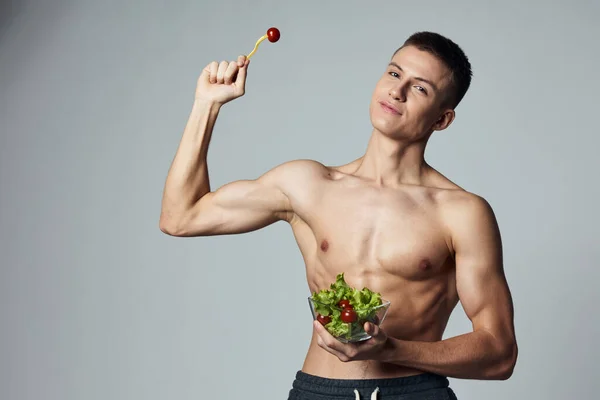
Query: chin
[[386, 127]]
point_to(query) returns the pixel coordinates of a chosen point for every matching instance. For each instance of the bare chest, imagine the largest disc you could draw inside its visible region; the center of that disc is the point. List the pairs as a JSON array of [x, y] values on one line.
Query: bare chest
[[375, 233]]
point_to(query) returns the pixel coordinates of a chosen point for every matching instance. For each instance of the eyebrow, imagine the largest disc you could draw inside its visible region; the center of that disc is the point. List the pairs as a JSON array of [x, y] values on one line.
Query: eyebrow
[[427, 81]]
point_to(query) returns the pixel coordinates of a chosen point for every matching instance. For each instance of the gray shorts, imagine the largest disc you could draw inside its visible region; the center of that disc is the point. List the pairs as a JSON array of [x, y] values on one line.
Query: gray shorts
[[424, 386]]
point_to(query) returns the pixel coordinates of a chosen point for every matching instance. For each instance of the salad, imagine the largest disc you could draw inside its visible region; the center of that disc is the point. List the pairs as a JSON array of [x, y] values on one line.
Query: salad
[[343, 310]]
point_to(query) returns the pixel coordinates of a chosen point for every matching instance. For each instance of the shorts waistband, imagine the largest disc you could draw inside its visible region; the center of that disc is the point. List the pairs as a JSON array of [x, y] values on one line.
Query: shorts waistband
[[387, 386]]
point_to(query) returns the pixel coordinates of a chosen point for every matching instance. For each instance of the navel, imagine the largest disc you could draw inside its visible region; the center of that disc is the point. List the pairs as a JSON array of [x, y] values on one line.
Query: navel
[[324, 245]]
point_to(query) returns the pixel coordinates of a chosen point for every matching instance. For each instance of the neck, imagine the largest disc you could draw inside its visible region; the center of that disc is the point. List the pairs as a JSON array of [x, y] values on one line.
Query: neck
[[390, 162]]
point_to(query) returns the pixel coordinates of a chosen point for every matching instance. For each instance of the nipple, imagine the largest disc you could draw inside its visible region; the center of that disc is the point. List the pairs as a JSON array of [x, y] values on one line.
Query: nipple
[[424, 265], [324, 245]]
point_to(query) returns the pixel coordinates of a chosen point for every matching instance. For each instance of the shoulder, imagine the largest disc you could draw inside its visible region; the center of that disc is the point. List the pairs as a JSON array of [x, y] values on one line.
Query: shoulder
[[297, 170], [461, 199], [459, 204], [467, 216], [300, 181], [294, 175], [303, 166]]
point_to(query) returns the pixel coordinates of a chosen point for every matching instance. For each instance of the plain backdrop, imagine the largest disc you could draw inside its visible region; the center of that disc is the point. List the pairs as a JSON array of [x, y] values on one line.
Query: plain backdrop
[[97, 303]]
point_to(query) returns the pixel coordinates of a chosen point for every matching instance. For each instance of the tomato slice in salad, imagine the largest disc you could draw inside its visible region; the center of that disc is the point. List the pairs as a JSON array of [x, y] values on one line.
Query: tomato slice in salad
[[324, 320], [348, 315], [344, 304]]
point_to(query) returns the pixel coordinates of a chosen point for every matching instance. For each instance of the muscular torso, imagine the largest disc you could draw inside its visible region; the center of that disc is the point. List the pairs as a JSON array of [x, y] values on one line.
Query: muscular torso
[[391, 240]]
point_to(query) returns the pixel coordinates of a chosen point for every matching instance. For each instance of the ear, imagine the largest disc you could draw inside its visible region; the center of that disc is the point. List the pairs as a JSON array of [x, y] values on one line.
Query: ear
[[444, 120]]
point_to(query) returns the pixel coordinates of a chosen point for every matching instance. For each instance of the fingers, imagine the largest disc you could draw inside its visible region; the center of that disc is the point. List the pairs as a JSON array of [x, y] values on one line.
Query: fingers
[[367, 350], [231, 70], [211, 71], [375, 331], [227, 72], [340, 355], [345, 352], [221, 71], [371, 328], [241, 78]]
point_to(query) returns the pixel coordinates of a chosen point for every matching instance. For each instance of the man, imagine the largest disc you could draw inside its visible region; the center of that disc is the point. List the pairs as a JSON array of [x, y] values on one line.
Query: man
[[388, 220]]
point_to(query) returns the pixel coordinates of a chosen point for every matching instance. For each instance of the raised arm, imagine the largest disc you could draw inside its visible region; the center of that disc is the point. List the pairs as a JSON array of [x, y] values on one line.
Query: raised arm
[[187, 181], [236, 207], [189, 207]]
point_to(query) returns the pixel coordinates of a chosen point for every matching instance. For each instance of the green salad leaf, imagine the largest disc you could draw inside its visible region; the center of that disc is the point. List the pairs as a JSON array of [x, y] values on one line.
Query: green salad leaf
[[362, 301]]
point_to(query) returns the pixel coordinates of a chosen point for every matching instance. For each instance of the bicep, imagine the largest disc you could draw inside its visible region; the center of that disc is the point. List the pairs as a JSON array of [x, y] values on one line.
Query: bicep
[[480, 280], [248, 205], [237, 207]]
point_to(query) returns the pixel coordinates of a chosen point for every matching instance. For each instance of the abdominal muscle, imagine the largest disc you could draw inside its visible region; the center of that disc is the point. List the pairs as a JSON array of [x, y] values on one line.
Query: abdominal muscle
[[419, 311], [320, 362]]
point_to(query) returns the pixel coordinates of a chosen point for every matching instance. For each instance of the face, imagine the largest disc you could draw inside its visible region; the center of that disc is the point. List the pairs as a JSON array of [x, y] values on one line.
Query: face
[[408, 100]]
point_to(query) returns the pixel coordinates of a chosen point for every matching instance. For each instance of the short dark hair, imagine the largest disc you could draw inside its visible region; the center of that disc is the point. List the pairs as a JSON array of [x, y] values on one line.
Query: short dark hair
[[451, 55]]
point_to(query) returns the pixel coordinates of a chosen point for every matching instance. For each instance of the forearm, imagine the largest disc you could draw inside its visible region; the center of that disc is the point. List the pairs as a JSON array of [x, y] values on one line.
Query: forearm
[[187, 180], [476, 355]]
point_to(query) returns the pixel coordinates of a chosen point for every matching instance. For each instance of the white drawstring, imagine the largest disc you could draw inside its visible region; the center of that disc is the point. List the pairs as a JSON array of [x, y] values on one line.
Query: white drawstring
[[373, 395]]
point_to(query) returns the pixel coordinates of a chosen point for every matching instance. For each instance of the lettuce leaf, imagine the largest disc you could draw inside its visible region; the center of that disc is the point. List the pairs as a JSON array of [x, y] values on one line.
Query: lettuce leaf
[[363, 301]]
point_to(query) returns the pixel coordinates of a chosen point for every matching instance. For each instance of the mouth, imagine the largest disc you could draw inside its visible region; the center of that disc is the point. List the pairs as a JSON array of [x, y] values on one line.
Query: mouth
[[387, 107]]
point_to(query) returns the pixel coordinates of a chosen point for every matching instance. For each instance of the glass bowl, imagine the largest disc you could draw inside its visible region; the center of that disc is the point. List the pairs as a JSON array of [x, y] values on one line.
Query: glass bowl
[[351, 332]]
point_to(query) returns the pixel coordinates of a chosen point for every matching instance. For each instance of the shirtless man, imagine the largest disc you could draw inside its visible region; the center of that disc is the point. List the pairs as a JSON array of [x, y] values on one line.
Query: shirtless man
[[388, 220]]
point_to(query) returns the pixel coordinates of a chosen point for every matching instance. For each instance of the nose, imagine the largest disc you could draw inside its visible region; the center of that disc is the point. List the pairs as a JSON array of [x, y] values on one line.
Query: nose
[[398, 92]]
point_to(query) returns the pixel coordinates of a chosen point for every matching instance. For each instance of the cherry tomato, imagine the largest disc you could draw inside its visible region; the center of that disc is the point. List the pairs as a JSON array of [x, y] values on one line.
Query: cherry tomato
[[324, 320], [273, 35], [344, 304], [348, 315]]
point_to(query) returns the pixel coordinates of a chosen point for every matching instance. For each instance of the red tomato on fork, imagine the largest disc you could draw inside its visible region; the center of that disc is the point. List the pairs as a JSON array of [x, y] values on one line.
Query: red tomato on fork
[[273, 34]]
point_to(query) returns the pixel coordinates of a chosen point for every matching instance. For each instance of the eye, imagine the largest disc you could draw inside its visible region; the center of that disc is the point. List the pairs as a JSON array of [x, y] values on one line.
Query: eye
[[421, 89], [394, 74]]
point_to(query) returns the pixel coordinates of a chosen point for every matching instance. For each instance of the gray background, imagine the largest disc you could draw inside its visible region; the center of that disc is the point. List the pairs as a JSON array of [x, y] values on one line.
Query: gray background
[[97, 303]]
